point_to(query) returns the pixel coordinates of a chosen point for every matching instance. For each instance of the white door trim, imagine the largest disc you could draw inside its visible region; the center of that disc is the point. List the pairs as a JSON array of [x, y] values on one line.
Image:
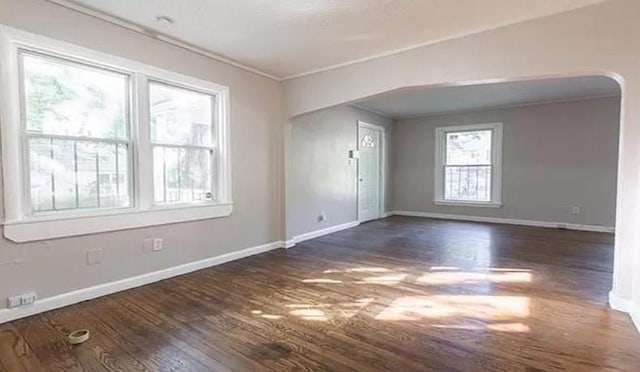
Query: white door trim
[[383, 170]]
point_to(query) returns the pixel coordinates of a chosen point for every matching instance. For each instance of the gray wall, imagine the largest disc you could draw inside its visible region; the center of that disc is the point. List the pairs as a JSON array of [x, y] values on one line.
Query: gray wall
[[555, 156], [321, 177], [58, 266]]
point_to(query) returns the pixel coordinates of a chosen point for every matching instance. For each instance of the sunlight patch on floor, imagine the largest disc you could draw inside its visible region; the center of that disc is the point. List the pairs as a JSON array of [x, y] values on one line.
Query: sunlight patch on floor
[[498, 327], [456, 312], [470, 277], [383, 279], [437, 307], [322, 281], [360, 270]]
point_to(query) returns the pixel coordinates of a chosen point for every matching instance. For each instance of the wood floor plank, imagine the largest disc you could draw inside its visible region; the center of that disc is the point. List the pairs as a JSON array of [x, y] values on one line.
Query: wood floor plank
[[399, 294]]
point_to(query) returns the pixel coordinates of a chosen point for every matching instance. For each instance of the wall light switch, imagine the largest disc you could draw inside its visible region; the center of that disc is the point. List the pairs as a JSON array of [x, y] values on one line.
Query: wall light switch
[[158, 244]]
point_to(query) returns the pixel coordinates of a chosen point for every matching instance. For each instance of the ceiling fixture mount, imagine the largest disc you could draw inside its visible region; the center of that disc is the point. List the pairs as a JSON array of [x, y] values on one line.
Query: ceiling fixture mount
[[165, 21]]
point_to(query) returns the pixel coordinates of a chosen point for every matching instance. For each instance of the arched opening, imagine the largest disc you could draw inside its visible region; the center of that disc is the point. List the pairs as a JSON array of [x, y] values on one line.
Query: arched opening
[[558, 182]]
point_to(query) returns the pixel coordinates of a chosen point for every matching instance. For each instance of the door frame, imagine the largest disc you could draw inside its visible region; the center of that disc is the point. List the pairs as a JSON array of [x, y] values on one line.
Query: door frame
[[382, 179]]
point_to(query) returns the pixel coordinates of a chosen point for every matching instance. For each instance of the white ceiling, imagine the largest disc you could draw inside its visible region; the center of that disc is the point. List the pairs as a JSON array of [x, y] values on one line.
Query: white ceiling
[[413, 102], [289, 37]]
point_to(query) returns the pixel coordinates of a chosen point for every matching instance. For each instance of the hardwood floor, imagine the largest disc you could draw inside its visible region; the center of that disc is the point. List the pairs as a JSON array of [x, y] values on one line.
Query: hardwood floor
[[398, 294]]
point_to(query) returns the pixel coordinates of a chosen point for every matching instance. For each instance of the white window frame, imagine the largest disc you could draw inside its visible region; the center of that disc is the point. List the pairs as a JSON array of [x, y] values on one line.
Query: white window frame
[[22, 226], [496, 165]]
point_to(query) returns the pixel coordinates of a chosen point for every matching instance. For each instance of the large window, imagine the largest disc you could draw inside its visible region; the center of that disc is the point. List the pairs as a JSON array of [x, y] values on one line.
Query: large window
[[90, 136], [468, 165], [182, 136], [76, 125]]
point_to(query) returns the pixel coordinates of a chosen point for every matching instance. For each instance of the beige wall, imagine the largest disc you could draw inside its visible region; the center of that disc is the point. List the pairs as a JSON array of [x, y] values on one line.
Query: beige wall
[[321, 175], [555, 156], [592, 40], [58, 266]]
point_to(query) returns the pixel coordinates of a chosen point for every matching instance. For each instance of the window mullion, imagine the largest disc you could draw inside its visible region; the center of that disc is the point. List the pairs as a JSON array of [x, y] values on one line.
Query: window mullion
[[144, 151]]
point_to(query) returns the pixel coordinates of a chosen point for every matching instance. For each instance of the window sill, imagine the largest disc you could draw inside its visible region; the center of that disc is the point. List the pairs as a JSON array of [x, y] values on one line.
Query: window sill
[[466, 203], [41, 228]]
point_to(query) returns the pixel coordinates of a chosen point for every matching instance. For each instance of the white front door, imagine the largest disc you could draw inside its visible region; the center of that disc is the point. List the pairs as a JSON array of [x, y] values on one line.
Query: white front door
[[369, 172]]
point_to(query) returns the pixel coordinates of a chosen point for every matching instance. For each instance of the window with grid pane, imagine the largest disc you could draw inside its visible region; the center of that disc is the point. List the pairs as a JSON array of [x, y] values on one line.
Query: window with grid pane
[[99, 143], [183, 141], [468, 165], [467, 168], [77, 134]]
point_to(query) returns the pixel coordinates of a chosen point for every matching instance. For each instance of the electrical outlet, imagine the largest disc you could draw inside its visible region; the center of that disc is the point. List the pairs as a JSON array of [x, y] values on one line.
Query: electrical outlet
[[13, 301], [158, 244], [575, 210], [94, 256], [22, 300], [28, 298]]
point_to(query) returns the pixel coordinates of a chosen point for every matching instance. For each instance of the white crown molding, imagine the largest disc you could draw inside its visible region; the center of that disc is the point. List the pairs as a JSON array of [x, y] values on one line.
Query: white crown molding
[[179, 43], [100, 290], [158, 36], [373, 111], [411, 47]]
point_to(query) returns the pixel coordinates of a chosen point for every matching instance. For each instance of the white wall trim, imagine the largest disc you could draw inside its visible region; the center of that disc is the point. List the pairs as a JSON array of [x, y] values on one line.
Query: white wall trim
[[634, 313], [509, 221], [112, 220], [318, 233], [627, 306], [620, 304], [89, 293]]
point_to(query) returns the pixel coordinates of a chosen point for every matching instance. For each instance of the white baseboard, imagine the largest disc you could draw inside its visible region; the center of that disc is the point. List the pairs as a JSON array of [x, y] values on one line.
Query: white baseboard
[[84, 294], [618, 303], [509, 221], [387, 214], [627, 306], [319, 233], [635, 316]]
